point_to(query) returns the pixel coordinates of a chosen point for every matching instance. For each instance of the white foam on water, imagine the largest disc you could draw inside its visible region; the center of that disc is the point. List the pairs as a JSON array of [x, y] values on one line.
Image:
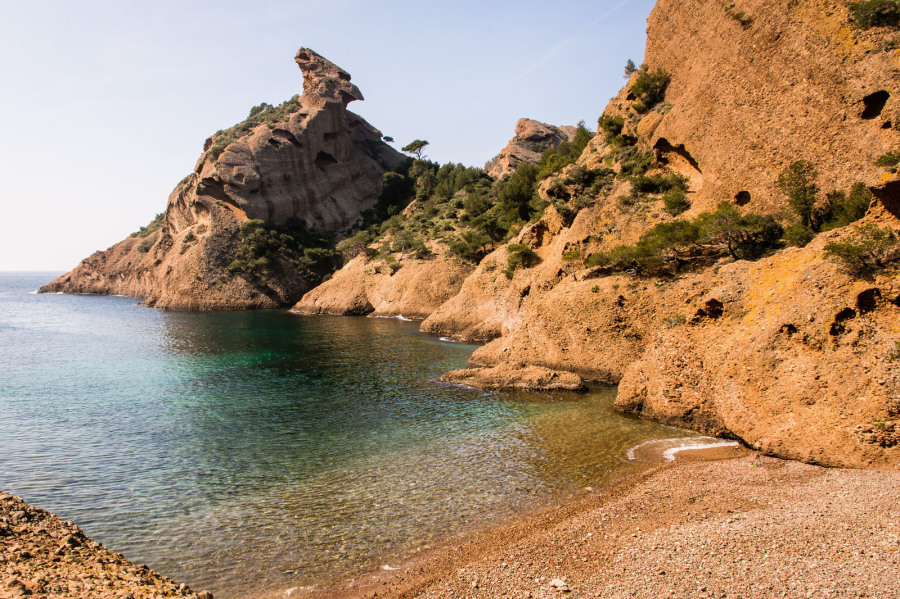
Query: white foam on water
[[448, 340], [389, 568], [397, 317], [683, 444], [35, 292]]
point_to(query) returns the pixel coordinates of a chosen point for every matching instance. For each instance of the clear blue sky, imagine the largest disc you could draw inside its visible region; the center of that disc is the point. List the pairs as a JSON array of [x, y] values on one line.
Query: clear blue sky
[[107, 103]]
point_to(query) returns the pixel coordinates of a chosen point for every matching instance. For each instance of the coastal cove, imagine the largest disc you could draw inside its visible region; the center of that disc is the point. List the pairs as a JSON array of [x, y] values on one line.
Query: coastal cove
[[261, 451]]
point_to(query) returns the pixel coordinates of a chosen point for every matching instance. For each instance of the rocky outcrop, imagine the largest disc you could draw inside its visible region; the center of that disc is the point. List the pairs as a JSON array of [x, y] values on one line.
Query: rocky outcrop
[[373, 287], [530, 141], [308, 163], [43, 556], [790, 354], [516, 376]]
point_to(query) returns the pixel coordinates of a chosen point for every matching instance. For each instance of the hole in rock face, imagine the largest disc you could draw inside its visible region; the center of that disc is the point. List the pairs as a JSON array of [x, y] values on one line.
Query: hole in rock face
[[789, 329], [324, 159], [845, 314], [525, 292], [874, 104], [887, 125], [742, 198], [714, 308], [867, 300], [344, 76], [303, 56], [330, 136]]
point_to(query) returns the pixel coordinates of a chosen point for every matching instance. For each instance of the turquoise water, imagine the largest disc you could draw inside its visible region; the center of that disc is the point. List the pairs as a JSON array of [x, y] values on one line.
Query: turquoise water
[[240, 452]]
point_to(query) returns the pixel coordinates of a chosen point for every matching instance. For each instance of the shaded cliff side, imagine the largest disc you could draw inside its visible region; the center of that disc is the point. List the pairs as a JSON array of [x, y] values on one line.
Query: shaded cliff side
[[299, 173]]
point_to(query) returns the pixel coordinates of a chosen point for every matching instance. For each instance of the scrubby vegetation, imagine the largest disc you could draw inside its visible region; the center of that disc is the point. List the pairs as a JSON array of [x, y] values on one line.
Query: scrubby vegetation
[[814, 213], [875, 13], [739, 16], [519, 255], [464, 207], [649, 88], [669, 246], [889, 160], [869, 248], [262, 114], [156, 224], [265, 251]]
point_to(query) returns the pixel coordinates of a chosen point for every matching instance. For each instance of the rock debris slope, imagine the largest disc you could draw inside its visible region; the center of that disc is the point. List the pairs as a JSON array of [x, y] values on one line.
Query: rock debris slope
[[308, 165], [43, 556]]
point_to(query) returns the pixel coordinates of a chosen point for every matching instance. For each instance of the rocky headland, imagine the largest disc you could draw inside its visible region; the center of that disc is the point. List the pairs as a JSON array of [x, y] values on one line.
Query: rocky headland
[[247, 227]]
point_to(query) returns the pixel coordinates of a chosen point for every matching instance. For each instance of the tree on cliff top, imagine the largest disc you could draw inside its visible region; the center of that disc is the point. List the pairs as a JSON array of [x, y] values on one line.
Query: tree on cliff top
[[415, 148]]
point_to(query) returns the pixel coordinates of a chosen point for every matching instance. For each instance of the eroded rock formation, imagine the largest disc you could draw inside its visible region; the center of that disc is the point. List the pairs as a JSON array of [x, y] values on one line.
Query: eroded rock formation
[[531, 139], [790, 354], [308, 163]]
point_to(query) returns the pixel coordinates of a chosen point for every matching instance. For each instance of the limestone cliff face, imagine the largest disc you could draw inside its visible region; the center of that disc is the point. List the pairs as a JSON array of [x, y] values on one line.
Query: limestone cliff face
[[752, 92], [789, 353], [531, 139], [308, 161]]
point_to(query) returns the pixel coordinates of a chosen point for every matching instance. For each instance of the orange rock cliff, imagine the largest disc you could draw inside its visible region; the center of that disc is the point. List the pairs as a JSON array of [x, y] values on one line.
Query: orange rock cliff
[[790, 352]]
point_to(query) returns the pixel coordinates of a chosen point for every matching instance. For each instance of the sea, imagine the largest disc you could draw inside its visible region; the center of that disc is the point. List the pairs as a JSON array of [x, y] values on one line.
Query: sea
[[261, 452]]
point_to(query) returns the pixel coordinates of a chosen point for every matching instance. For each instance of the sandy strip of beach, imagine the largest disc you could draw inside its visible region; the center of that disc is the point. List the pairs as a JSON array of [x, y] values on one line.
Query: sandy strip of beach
[[708, 525]]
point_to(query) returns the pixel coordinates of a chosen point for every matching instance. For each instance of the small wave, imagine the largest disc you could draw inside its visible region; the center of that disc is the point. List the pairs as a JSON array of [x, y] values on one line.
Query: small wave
[[35, 292], [673, 446], [448, 340], [397, 317], [389, 568]]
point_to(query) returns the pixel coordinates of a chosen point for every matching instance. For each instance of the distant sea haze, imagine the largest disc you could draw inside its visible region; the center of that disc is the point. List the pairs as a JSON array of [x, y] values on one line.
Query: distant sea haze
[[262, 450]]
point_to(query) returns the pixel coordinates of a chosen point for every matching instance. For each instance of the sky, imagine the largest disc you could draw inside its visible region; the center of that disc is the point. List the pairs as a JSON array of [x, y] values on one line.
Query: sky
[[107, 103]]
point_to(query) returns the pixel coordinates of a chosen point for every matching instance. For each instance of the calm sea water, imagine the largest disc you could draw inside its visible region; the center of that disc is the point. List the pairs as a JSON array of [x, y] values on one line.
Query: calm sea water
[[251, 451]]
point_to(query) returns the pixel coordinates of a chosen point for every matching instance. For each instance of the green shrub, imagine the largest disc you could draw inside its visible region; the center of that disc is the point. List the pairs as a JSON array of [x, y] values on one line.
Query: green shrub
[[870, 248], [673, 244], [675, 201], [798, 183], [745, 236], [519, 255], [650, 87], [470, 245], [875, 13], [156, 224], [351, 247], [635, 162], [658, 183], [798, 235], [407, 242], [144, 246], [890, 159], [846, 208], [612, 127]]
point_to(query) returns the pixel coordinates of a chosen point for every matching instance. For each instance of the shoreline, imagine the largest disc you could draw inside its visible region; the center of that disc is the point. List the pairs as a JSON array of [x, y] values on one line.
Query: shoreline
[[719, 522], [714, 522]]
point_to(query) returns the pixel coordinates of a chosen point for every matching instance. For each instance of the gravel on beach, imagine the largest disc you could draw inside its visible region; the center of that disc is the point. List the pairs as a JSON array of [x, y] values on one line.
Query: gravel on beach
[[749, 527]]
